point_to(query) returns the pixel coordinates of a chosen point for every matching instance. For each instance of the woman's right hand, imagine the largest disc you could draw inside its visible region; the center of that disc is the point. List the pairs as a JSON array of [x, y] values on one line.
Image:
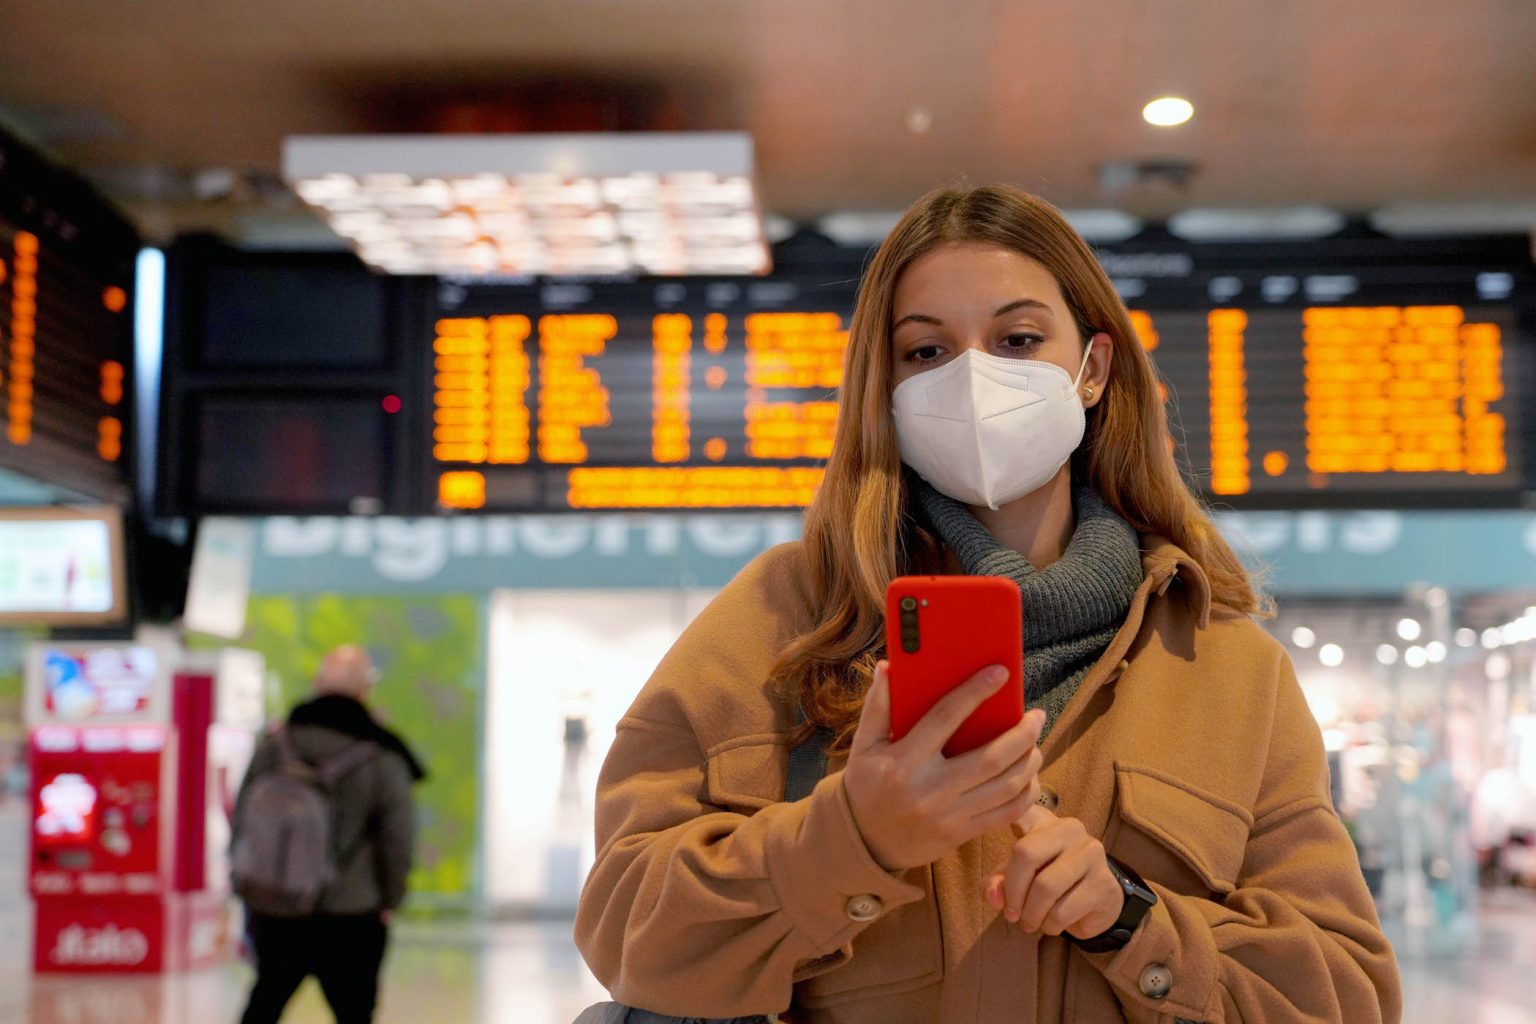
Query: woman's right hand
[[912, 804]]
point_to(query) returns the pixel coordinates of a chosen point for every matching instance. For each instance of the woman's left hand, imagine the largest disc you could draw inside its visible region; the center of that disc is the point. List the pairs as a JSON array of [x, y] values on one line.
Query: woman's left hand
[[1057, 879]]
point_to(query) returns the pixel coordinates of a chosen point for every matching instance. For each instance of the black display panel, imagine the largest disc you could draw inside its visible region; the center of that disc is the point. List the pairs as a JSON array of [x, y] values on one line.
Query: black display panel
[[264, 315], [283, 453], [66, 328], [285, 387]]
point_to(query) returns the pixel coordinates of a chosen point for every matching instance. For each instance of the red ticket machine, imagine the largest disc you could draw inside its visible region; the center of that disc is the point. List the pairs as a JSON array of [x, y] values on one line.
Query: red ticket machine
[[133, 779]]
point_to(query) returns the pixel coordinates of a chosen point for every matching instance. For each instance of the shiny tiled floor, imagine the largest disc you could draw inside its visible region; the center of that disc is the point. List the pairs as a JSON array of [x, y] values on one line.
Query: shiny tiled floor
[[529, 973], [522, 974]]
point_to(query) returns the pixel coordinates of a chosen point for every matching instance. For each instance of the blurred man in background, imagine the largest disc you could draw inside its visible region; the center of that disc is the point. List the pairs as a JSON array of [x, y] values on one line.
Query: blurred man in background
[[324, 830]]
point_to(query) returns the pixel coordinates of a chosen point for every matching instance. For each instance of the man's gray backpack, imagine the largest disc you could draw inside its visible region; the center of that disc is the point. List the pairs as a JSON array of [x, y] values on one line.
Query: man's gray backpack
[[282, 859]]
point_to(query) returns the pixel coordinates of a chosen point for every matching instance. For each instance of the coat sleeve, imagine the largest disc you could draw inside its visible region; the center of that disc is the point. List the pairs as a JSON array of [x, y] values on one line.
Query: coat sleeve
[[1298, 940], [396, 835], [695, 909]]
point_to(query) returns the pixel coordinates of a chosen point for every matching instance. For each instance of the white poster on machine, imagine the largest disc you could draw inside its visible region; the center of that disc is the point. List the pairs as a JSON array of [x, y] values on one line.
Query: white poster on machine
[[220, 584]]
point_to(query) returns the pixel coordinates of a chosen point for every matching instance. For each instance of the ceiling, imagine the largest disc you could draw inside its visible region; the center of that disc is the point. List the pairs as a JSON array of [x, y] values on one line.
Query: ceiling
[[178, 109]]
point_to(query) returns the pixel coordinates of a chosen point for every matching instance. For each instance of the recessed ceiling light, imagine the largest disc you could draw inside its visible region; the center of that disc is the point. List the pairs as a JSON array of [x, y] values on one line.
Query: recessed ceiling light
[[1168, 111]]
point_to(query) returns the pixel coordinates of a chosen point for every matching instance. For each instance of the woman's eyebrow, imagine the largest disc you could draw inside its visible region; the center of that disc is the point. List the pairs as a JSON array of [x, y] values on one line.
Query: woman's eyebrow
[[1021, 304], [1004, 310], [918, 318]]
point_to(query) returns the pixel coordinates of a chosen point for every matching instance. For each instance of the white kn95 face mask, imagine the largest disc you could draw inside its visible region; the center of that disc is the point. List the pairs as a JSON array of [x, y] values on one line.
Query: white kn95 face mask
[[987, 430]]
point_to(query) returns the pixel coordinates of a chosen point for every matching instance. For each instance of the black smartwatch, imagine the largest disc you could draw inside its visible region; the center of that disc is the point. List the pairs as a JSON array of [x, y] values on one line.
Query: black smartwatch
[[1138, 900]]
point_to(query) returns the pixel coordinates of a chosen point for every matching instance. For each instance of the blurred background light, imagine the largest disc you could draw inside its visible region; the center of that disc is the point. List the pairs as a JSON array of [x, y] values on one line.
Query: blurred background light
[[1168, 111], [596, 204]]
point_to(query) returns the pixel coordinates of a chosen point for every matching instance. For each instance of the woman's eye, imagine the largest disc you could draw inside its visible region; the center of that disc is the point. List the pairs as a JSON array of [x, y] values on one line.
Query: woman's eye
[[925, 354], [1021, 342]]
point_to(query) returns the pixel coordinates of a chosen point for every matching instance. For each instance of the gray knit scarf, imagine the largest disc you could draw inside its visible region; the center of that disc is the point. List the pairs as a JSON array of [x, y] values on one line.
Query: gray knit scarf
[[1072, 608]]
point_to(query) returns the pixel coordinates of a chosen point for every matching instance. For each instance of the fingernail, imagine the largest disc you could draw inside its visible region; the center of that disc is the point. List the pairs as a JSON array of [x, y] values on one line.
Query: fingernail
[[1012, 915], [997, 674]]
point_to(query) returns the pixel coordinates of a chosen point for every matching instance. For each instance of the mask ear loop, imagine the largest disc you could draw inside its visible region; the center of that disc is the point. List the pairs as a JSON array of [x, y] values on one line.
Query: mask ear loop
[[1084, 368]]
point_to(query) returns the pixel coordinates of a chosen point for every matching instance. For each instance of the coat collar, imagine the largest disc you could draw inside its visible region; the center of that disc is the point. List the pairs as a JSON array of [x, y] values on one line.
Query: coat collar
[[1165, 563]]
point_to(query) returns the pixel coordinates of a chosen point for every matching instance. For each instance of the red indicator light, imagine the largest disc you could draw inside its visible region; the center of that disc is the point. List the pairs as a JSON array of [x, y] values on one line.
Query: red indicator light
[[391, 404]]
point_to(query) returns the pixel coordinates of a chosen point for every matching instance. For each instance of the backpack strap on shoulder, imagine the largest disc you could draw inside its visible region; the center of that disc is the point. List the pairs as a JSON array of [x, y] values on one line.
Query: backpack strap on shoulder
[[287, 753]]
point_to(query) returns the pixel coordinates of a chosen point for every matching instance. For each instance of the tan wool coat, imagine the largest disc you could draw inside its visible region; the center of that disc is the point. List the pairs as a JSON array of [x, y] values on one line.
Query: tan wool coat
[[1188, 750]]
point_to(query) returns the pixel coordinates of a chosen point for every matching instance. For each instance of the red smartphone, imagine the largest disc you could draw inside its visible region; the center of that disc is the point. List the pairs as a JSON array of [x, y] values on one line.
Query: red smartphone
[[940, 631]]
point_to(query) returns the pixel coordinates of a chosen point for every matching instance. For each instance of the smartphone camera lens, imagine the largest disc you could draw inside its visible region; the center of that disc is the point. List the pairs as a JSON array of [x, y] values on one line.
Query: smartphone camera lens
[[909, 637]]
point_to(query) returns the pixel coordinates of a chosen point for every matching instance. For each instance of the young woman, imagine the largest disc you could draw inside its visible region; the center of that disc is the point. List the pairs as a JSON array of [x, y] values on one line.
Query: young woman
[[1168, 850]]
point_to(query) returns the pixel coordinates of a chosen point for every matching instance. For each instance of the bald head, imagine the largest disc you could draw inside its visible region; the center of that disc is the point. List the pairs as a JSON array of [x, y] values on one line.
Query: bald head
[[348, 671]]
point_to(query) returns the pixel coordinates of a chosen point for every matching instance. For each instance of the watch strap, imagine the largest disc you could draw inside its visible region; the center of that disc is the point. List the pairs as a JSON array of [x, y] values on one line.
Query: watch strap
[[1138, 901]]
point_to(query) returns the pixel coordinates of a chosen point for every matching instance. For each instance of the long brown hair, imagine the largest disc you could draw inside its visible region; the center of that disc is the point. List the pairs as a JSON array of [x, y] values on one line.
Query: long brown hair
[[859, 534]]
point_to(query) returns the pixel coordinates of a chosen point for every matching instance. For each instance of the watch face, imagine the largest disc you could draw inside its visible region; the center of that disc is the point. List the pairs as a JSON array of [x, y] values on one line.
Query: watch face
[[1131, 882]]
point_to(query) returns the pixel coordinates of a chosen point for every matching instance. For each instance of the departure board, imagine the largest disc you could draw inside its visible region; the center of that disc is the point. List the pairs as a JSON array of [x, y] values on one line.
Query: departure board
[[1354, 371], [1398, 400], [651, 395], [668, 410], [674, 406], [66, 277]]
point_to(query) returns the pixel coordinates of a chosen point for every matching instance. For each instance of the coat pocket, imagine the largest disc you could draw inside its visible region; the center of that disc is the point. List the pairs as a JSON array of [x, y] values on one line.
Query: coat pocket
[[1176, 834], [747, 773]]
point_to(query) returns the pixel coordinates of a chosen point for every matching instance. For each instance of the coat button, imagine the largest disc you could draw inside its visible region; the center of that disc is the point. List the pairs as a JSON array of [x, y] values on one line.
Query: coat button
[[1156, 981], [1049, 798], [865, 907]]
